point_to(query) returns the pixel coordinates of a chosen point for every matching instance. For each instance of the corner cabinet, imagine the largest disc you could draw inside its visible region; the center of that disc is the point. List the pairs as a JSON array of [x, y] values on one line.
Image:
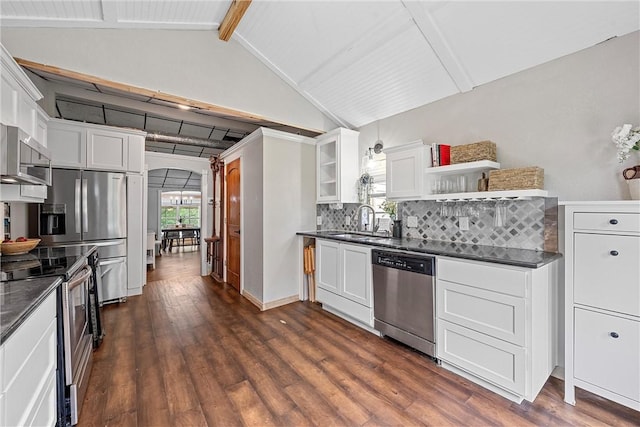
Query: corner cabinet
[[337, 167], [602, 300], [343, 277], [95, 147], [497, 324]]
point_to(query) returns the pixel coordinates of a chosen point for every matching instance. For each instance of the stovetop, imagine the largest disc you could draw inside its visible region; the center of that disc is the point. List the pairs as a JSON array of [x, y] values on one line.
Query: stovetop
[[41, 262]]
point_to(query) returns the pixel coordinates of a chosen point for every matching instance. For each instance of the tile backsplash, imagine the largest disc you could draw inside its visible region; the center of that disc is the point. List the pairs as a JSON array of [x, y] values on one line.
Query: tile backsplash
[[527, 224]]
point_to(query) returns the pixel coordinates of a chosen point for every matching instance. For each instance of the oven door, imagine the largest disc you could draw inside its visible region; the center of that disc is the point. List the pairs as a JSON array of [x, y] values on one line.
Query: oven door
[[77, 338]]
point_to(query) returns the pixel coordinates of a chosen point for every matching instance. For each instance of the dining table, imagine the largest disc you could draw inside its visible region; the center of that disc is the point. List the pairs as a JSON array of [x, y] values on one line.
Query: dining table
[[175, 236]]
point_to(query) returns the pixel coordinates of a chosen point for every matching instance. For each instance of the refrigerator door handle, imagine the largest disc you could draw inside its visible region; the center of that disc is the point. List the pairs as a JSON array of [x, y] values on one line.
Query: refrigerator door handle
[[85, 212], [77, 206]]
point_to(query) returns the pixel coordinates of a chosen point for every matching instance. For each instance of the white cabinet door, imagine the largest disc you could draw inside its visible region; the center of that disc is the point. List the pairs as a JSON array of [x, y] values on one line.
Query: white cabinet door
[[405, 172], [68, 144], [136, 257], [356, 273], [607, 352], [606, 272], [27, 116], [327, 171], [337, 167], [9, 101], [41, 127], [494, 360], [136, 153], [328, 265], [107, 150], [492, 313]]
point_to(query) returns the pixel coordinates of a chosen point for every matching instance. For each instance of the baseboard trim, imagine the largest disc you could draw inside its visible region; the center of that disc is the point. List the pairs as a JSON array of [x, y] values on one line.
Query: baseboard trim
[[269, 305]]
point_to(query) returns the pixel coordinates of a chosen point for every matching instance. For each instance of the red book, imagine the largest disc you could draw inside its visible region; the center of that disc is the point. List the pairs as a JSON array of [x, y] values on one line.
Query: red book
[[445, 154]]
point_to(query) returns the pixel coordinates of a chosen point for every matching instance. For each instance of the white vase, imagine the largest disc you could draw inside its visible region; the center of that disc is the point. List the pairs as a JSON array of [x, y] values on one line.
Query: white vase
[[634, 188]]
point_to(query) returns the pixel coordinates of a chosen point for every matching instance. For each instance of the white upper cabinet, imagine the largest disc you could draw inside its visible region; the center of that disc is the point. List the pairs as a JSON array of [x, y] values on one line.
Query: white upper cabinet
[[405, 166], [19, 96], [337, 167], [94, 147]]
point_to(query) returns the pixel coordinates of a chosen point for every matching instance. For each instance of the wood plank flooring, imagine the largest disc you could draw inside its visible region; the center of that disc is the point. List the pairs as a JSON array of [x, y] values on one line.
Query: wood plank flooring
[[193, 352]]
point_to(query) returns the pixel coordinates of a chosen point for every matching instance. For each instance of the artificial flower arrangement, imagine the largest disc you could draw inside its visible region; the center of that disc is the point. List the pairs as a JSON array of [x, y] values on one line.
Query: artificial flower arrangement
[[626, 138]]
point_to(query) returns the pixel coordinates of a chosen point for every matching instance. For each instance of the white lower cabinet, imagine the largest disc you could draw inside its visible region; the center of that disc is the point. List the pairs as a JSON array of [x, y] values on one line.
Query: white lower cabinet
[[496, 324], [343, 276], [27, 370], [602, 300], [606, 352]]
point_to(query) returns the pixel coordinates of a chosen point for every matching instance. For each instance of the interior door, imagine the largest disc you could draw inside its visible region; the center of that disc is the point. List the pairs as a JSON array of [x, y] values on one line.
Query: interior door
[[232, 214]]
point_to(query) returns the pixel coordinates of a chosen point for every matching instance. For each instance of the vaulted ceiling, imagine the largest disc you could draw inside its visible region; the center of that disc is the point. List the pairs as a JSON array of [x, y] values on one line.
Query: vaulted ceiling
[[361, 61]]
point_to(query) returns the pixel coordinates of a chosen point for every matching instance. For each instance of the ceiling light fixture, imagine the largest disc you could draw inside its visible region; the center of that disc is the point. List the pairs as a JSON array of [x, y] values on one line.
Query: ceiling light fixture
[[184, 107]]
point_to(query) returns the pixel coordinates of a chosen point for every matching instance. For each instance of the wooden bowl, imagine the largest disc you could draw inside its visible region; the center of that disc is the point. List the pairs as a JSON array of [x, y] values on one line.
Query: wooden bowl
[[17, 248]]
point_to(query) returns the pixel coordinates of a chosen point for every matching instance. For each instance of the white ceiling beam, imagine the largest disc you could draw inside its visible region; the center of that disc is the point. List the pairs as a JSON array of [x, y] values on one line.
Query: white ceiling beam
[[432, 34], [232, 18]]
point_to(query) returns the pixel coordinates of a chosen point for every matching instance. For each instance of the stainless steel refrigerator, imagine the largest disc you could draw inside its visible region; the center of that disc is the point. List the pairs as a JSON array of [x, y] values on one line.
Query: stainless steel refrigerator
[[88, 208]]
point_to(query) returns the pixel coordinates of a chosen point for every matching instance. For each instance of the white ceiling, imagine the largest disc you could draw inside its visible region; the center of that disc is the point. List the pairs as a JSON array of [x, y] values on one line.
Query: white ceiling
[[361, 61]]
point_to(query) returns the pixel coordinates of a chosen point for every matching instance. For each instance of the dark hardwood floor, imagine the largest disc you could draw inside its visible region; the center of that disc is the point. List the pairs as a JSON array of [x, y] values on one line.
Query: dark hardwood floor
[[193, 352]]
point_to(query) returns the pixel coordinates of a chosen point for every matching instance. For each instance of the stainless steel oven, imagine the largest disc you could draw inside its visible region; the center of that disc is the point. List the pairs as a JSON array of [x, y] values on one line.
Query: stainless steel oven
[[78, 341]]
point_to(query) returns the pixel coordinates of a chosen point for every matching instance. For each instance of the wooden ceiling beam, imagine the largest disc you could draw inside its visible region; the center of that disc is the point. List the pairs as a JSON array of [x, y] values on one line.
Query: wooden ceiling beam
[[232, 18]]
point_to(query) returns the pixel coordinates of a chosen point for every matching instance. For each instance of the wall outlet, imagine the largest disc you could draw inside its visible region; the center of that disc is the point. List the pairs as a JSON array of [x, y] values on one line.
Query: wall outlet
[[412, 221], [463, 223], [347, 220], [319, 220]]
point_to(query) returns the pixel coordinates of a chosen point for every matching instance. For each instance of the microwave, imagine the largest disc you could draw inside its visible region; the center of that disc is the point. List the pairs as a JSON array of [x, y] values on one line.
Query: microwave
[[23, 160]]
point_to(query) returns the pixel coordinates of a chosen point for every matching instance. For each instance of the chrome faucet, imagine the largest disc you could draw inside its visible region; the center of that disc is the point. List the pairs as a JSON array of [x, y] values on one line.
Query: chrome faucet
[[373, 218]]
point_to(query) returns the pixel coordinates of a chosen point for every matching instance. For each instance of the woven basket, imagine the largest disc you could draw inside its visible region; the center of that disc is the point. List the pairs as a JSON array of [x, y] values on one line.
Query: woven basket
[[16, 248], [483, 150], [516, 179]]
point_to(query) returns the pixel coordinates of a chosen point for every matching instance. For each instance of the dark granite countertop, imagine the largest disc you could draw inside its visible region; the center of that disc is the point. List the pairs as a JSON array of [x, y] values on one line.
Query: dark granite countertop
[[509, 256], [19, 298]]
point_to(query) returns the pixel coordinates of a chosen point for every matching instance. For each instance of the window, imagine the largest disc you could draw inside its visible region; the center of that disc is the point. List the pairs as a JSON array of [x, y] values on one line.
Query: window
[[180, 207]]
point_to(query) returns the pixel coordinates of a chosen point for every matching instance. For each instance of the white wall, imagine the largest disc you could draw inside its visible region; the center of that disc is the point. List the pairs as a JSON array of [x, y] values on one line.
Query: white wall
[[289, 207], [558, 116], [153, 210], [193, 164], [191, 64]]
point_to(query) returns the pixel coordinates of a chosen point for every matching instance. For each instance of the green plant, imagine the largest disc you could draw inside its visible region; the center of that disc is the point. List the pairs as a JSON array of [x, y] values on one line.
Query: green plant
[[390, 208]]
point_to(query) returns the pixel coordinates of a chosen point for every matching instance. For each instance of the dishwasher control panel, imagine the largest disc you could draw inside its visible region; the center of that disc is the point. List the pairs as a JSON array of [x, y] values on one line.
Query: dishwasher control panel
[[402, 261]]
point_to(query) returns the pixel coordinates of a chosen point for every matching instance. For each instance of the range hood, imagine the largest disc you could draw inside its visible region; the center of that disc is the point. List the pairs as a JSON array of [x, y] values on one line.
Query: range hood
[[23, 160]]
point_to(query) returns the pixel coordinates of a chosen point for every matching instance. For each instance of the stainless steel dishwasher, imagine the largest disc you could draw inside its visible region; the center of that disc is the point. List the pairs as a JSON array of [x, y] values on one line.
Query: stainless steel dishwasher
[[404, 298]]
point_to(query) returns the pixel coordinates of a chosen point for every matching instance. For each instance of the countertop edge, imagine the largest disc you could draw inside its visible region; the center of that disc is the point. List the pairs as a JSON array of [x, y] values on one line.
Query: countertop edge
[[20, 319], [551, 257]]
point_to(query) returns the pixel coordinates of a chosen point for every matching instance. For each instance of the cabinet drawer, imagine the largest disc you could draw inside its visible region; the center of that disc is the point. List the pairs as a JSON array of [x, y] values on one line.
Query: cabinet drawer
[[494, 360], [607, 221], [505, 280], [604, 280], [609, 363], [498, 315]]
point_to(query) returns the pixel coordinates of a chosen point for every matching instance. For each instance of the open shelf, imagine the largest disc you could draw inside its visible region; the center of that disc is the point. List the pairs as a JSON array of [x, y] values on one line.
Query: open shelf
[[488, 195], [463, 168]]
